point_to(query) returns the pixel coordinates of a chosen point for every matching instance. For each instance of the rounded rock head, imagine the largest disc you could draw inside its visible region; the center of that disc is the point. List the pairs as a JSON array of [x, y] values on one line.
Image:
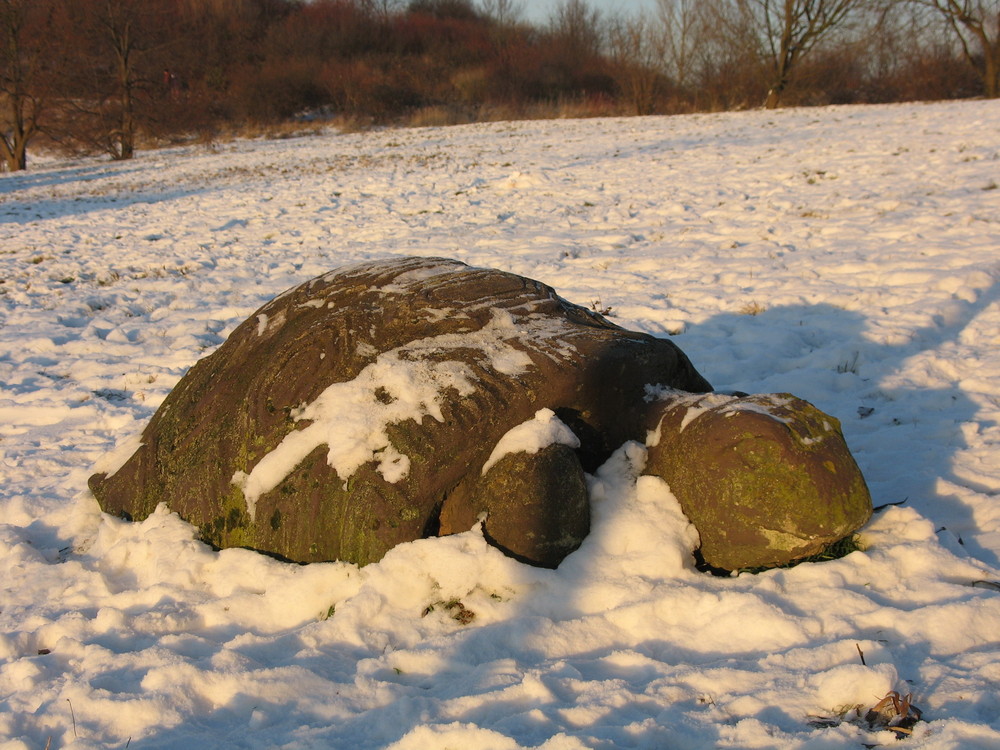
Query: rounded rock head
[[766, 479]]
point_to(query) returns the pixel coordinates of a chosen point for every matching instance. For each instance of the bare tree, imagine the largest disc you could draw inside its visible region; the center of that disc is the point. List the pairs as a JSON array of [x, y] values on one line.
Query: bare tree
[[577, 26], [22, 92], [456, 9], [381, 9], [112, 41], [977, 25], [119, 20], [503, 13], [682, 22], [637, 52], [784, 32], [507, 37]]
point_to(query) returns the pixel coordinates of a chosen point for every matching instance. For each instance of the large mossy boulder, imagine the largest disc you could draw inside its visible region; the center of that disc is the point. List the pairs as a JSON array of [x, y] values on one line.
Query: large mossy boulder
[[348, 414], [399, 399]]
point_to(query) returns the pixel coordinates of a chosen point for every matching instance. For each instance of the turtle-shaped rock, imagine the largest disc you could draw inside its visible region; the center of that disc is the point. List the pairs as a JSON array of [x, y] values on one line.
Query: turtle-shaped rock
[[399, 399]]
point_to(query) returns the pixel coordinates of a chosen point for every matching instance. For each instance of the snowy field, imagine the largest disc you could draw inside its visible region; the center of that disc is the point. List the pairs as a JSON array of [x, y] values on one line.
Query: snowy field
[[849, 255]]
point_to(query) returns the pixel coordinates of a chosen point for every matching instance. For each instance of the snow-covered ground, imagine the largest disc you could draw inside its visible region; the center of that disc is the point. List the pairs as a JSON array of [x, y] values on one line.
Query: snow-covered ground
[[848, 255]]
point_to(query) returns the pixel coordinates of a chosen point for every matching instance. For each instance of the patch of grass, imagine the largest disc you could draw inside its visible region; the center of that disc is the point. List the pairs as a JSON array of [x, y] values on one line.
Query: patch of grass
[[838, 549], [438, 116], [849, 365], [599, 307], [454, 609]]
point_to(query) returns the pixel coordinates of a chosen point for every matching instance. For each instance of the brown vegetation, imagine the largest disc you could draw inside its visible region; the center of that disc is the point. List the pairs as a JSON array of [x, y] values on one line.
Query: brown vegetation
[[109, 75]]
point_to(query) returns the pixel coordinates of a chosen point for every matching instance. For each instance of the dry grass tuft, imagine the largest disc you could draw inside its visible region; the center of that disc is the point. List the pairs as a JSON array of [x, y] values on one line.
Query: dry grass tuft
[[895, 713], [752, 308], [454, 609]]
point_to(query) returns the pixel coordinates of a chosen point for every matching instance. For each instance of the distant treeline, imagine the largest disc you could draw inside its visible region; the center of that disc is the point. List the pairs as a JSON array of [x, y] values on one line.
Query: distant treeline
[[109, 75]]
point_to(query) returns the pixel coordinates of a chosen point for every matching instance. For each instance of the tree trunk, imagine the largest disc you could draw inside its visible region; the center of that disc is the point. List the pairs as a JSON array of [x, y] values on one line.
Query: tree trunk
[[14, 148], [989, 49], [991, 68], [21, 154], [121, 36], [978, 28], [14, 157], [21, 35], [126, 136]]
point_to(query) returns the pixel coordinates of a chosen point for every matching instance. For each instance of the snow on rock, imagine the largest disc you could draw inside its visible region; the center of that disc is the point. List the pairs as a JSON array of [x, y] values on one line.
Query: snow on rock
[[350, 418], [532, 436], [843, 254]]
